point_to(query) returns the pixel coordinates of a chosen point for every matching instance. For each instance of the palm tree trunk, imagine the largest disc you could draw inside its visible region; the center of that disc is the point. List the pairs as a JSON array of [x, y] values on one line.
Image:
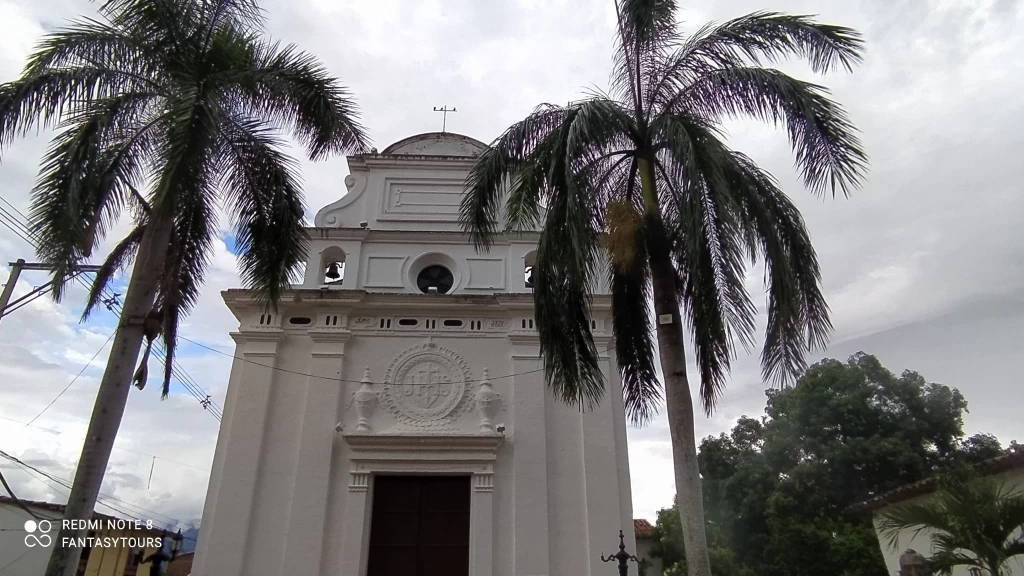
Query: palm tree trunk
[[678, 401], [113, 393]]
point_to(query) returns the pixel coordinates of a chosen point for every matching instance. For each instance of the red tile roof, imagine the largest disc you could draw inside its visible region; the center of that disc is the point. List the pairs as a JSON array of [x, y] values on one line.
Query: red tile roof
[[1008, 461], [642, 528]]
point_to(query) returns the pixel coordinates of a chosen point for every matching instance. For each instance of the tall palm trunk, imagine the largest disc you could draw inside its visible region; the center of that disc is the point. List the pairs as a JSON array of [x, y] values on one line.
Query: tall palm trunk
[[112, 396], [678, 401]]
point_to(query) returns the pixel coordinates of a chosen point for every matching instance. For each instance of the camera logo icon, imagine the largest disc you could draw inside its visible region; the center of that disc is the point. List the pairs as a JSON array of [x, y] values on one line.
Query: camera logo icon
[[43, 538]]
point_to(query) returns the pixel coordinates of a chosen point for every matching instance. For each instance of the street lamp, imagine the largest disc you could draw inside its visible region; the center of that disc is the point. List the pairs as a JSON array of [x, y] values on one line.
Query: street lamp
[[176, 544]]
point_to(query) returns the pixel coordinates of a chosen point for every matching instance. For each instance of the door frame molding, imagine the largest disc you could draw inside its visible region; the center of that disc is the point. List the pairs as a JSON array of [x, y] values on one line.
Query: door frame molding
[[421, 455]]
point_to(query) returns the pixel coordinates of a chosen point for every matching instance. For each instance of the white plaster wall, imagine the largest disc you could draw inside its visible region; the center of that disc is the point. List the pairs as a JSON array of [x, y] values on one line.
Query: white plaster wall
[[922, 542], [283, 497], [561, 490], [643, 552]]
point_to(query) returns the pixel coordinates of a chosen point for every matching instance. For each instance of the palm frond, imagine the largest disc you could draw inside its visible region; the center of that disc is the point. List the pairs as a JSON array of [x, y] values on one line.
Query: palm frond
[[248, 14], [265, 199], [72, 203], [710, 247], [772, 36], [168, 28], [825, 143], [500, 164], [633, 329], [646, 32], [118, 259], [187, 257], [290, 88], [42, 99], [566, 260], [798, 316], [88, 43]]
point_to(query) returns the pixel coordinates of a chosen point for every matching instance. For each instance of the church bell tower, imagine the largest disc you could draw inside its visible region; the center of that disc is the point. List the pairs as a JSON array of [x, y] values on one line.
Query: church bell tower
[[391, 417]]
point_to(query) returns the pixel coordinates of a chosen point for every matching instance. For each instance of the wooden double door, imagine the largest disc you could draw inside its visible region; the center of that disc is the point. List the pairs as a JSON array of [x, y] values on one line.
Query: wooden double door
[[419, 526]]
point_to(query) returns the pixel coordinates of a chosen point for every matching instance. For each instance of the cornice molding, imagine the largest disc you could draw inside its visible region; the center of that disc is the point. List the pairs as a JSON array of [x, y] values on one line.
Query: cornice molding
[[330, 336], [423, 446], [273, 335], [435, 236]]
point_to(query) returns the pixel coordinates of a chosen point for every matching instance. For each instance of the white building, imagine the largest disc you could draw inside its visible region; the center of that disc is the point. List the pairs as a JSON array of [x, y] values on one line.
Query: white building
[[1008, 469], [396, 421]]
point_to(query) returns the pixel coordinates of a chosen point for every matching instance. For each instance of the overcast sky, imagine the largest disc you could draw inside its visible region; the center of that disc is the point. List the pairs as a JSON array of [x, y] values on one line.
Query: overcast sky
[[923, 267]]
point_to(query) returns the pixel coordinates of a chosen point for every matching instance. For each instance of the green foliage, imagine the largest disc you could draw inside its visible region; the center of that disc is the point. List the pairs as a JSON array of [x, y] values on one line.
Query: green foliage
[[974, 522], [775, 489], [168, 109]]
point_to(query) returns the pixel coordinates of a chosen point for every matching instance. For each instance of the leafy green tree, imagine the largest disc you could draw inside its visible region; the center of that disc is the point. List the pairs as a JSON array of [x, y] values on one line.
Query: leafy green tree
[[973, 522], [776, 489], [166, 109], [644, 173]]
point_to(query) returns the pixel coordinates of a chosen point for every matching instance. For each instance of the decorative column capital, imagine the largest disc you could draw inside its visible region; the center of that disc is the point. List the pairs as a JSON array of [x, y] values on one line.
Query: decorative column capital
[[359, 481], [483, 482], [261, 343]]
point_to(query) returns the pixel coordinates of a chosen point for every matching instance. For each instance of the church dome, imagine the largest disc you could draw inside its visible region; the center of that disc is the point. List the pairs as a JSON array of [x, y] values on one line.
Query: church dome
[[436, 144]]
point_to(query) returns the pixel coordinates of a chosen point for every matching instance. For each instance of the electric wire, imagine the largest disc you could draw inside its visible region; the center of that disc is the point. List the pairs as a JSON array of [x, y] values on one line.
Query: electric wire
[[73, 380], [103, 498], [187, 382]]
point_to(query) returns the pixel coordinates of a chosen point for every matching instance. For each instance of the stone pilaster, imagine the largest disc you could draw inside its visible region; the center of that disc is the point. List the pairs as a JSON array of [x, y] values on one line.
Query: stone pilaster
[[225, 550], [481, 524], [529, 445], [304, 546]]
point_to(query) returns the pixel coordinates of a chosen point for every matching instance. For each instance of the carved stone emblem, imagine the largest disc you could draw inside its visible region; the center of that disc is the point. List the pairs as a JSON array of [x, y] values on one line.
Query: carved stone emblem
[[426, 386]]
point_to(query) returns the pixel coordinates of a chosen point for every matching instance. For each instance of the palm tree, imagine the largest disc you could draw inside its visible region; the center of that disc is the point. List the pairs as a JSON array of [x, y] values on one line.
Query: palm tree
[[644, 173], [977, 523], [168, 109]]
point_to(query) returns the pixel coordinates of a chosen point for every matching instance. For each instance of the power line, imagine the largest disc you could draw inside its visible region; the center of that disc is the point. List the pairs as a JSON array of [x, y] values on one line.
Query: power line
[[73, 380], [187, 382], [67, 484]]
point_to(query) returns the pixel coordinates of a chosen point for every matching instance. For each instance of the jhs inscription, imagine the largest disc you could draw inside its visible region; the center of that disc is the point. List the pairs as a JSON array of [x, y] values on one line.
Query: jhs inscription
[[425, 384]]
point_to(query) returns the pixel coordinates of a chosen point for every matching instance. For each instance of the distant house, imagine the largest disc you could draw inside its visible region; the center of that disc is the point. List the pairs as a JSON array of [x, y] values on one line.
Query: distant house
[[644, 542], [22, 555], [1008, 467]]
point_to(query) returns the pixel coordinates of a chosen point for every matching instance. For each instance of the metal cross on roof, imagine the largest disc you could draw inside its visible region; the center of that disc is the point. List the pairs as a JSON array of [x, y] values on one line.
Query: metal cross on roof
[[444, 118]]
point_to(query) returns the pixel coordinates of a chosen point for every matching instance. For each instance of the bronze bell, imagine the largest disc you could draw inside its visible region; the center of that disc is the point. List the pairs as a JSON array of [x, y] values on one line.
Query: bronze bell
[[333, 271]]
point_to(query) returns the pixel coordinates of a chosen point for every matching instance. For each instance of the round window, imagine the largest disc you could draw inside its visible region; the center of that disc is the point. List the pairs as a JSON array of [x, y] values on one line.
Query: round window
[[435, 279]]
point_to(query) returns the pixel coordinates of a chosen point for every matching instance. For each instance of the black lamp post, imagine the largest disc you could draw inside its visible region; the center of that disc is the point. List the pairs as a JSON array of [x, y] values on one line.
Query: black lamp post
[[621, 556]]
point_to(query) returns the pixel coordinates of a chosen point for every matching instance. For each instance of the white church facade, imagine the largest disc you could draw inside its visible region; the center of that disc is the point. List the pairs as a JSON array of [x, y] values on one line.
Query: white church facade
[[391, 417]]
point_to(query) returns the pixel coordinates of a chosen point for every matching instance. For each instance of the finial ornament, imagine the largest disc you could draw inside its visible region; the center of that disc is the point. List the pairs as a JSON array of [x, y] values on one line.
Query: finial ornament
[[487, 404], [366, 402]]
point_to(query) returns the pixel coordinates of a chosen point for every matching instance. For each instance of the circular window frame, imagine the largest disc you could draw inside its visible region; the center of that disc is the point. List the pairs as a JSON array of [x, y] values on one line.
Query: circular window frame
[[433, 259]]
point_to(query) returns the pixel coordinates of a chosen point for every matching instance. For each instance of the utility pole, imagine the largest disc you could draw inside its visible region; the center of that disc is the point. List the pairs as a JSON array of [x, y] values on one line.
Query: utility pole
[[6, 306], [12, 280]]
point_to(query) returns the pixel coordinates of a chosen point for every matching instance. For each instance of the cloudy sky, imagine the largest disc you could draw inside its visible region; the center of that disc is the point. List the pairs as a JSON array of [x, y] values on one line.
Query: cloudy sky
[[923, 267]]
